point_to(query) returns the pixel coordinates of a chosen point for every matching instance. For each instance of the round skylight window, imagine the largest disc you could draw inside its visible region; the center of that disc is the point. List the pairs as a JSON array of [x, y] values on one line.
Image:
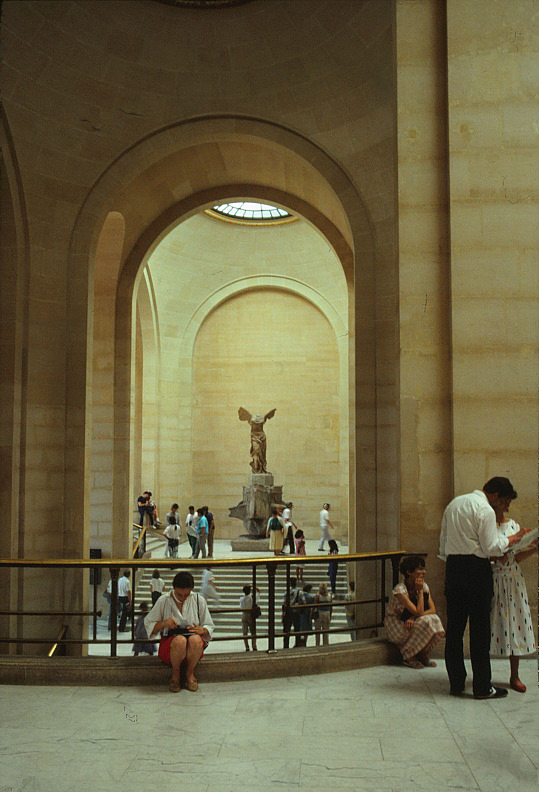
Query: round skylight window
[[250, 212]]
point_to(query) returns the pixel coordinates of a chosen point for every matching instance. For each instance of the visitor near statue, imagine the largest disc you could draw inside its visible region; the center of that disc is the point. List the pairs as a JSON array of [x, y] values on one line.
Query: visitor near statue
[[258, 438], [325, 525]]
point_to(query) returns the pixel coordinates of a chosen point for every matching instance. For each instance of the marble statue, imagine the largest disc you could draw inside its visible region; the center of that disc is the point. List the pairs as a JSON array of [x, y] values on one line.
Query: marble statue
[[258, 438]]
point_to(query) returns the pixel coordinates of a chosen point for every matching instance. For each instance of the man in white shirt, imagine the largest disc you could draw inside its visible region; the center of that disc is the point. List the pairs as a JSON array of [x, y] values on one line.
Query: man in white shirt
[[468, 538], [191, 529], [124, 599], [325, 525]]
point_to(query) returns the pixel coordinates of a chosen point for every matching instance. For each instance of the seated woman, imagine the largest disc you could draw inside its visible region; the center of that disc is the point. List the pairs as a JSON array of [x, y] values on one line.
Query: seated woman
[[184, 620], [411, 621]]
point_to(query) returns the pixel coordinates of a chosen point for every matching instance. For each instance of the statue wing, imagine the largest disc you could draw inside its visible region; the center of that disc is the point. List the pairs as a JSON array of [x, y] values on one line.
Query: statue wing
[[270, 414], [244, 415]]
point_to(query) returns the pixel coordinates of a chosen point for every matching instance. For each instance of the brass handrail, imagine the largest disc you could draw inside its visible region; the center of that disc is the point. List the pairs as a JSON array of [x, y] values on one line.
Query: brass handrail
[[59, 638], [164, 563], [139, 540], [271, 563]]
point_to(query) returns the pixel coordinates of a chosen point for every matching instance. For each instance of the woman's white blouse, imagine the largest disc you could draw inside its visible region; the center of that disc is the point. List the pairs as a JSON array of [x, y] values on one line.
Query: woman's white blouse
[[166, 608]]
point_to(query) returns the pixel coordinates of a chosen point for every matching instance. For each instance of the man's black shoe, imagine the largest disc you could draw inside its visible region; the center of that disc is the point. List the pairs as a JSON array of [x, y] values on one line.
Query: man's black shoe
[[494, 693]]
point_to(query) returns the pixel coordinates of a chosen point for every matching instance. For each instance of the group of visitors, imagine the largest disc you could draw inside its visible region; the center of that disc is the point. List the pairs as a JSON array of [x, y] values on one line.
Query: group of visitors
[[280, 531], [148, 508], [199, 526], [484, 585]]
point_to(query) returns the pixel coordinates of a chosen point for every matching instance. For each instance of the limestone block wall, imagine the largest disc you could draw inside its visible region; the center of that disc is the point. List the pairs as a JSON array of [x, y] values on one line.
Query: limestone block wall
[[84, 83], [260, 350], [424, 282], [493, 57]]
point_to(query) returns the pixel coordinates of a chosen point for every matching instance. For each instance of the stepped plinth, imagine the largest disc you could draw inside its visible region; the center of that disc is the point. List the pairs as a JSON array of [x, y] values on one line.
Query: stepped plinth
[[259, 496]]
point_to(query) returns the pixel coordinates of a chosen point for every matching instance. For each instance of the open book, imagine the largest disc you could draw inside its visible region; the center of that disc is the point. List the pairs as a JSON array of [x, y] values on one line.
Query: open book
[[525, 542]]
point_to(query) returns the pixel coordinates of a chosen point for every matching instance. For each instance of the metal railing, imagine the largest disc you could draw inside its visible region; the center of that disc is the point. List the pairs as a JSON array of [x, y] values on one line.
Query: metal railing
[[270, 564]]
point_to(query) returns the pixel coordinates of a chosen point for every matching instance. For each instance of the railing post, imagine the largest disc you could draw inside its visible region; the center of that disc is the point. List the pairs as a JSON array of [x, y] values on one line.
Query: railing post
[[253, 619], [133, 589], [383, 589], [271, 568], [94, 617], [114, 572]]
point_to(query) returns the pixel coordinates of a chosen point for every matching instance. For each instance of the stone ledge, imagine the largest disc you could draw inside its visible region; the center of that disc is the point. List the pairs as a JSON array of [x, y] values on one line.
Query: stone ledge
[[20, 670]]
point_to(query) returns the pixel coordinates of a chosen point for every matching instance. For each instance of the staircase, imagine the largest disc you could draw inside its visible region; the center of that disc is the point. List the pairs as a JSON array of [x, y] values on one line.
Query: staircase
[[231, 581]]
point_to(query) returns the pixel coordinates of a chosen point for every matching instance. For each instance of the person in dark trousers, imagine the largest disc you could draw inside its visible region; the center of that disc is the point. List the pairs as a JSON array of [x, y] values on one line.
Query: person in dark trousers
[[333, 566], [124, 599], [468, 538], [292, 616]]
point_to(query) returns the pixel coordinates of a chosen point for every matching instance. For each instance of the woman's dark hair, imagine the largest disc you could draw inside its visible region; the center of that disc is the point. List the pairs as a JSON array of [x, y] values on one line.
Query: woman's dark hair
[[333, 545], [501, 486], [171, 519], [174, 506], [156, 573], [410, 563], [299, 534], [183, 580], [246, 590], [307, 587]]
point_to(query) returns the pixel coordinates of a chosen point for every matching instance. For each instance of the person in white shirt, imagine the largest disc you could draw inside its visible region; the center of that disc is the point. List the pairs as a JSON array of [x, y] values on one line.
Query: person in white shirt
[[124, 599], [173, 534], [468, 538], [174, 513], [289, 525], [191, 529], [184, 620], [325, 525], [208, 588]]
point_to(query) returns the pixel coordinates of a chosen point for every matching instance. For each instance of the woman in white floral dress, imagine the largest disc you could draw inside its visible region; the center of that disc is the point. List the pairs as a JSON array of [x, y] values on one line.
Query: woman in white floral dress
[[411, 621], [511, 628]]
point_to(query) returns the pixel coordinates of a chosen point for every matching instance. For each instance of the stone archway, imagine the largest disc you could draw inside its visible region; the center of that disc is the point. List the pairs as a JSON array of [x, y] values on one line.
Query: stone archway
[[143, 184]]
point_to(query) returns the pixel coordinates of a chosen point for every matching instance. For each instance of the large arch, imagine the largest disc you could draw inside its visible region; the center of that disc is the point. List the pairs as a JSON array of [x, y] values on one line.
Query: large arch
[[143, 185]]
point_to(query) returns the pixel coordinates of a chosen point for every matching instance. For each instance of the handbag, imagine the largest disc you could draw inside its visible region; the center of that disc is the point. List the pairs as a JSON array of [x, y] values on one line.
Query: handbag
[[257, 611]]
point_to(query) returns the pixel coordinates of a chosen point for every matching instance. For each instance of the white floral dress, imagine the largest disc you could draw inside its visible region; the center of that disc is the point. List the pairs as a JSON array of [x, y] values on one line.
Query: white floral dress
[[511, 628]]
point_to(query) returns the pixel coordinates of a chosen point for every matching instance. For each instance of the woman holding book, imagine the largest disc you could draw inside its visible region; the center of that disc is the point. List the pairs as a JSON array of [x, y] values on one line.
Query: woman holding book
[[411, 621], [511, 628]]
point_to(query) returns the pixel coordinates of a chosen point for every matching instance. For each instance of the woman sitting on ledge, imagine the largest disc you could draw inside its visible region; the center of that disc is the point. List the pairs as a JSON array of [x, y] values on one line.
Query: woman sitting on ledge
[[411, 620], [184, 620]]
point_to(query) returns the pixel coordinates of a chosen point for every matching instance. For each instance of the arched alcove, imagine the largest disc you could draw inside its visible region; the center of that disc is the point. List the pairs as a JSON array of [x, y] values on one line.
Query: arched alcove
[[261, 349], [155, 186]]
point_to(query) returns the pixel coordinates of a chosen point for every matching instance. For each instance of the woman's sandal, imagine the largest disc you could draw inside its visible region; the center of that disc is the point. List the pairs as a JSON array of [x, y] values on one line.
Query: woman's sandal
[[424, 660], [413, 663], [192, 685], [517, 685], [174, 686]]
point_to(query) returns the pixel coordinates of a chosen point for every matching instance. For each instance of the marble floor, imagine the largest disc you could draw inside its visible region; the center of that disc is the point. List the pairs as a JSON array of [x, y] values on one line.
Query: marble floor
[[384, 728]]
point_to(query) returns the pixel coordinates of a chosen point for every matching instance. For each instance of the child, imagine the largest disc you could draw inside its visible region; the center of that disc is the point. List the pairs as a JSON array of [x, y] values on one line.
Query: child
[[299, 542], [140, 632], [333, 566], [511, 629]]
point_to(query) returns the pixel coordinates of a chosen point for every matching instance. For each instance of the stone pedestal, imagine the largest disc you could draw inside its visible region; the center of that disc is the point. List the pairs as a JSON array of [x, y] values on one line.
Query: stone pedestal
[[255, 507]]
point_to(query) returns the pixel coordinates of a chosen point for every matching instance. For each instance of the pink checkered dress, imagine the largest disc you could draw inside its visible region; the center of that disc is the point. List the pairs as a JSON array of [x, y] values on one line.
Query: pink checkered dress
[[425, 633]]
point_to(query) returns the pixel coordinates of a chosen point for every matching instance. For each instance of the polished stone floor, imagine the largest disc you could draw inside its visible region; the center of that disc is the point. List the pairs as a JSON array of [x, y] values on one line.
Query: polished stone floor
[[384, 728]]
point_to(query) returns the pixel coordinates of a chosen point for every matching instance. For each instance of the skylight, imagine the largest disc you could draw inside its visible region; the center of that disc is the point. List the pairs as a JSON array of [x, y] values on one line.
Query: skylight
[[250, 211]]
